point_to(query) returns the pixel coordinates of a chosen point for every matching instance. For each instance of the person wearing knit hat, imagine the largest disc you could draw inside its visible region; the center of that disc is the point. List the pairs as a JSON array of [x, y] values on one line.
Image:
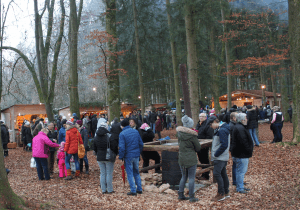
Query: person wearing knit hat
[[70, 122], [187, 122], [79, 122], [148, 136], [61, 160], [187, 160]]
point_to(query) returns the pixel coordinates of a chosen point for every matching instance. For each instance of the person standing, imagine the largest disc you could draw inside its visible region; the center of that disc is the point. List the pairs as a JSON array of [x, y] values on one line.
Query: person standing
[[220, 156], [130, 148], [106, 166], [62, 132], [4, 138], [73, 138], [59, 123], [40, 151], [94, 122], [52, 135], [158, 126], [27, 135], [187, 160], [148, 136], [232, 125], [277, 124], [241, 149], [152, 119], [84, 135], [204, 132], [252, 123]]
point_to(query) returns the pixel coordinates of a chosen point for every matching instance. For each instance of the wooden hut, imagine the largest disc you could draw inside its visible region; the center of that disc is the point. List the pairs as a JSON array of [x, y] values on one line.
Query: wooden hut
[[14, 116]]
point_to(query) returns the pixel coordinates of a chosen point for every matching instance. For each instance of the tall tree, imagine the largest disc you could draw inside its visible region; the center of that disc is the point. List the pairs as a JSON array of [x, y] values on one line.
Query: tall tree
[[138, 57], [294, 37], [44, 82], [73, 49], [192, 58], [175, 65], [227, 58], [9, 200], [113, 75]]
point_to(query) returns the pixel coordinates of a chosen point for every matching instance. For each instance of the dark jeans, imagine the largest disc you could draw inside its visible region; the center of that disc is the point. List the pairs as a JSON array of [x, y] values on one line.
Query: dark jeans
[[277, 132], [86, 161], [234, 173], [158, 133], [188, 173], [203, 158], [51, 161], [147, 155], [42, 168], [221, 177]]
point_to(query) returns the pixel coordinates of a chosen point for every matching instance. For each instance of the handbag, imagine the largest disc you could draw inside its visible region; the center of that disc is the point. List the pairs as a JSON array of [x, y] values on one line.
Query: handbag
[[81, 150], [110, 155], [32, 163]]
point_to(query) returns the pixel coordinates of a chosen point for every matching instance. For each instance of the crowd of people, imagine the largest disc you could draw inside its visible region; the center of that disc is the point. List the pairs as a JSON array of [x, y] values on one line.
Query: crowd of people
[[233, 131]]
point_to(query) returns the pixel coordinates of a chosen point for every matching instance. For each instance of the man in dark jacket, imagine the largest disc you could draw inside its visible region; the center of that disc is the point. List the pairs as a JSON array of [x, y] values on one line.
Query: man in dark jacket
[[130, 148], [152, 119], [52, 135], [204, 132], [94, 122], [4, 138], [252, 123], [115, 131], [226, 117], [241, 149], [84, 135], [232, 125], [58, 123]]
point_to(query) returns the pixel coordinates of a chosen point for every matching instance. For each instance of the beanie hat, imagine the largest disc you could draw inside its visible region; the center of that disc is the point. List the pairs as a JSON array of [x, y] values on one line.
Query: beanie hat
[[79, 122], [125, 122], [187, 121], [249, 107], [144, 126], [74, 115], [104, 125], [70, 122]]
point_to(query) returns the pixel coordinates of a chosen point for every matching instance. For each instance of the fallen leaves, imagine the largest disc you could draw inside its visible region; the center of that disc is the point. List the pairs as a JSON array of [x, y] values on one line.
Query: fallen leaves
[[273, 177]]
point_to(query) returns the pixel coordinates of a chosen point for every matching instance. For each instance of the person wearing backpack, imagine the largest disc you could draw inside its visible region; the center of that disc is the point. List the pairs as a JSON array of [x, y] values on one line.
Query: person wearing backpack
[[106, 166]]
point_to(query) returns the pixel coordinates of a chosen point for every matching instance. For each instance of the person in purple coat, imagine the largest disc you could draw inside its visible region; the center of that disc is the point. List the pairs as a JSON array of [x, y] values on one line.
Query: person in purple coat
[[40, 152]]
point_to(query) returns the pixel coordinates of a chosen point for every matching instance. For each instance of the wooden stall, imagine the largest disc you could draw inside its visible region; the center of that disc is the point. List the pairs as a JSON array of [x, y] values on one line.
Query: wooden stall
[[250, 97], [15, 115]]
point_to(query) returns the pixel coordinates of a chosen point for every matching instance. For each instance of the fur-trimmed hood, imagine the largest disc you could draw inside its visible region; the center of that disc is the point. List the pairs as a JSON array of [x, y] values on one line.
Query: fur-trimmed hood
[[186, 130]]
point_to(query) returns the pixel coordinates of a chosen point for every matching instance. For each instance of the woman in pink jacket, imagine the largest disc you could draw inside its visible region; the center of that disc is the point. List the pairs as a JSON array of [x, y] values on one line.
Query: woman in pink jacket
[[40, 152]]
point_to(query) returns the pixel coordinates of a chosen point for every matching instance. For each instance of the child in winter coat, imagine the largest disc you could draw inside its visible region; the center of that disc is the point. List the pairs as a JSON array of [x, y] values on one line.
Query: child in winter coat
[[61, 160]]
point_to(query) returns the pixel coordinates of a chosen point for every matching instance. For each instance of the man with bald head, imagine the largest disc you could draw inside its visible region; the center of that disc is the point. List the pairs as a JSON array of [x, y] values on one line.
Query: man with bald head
[[204, 132]]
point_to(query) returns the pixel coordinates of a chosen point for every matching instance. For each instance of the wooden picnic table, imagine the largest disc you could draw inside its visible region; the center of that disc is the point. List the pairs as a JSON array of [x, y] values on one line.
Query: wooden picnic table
[[160, 145]]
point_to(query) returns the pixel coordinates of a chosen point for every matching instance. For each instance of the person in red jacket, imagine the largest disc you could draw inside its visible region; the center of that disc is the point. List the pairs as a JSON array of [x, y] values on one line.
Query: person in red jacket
[[73, 137], [158, 126]]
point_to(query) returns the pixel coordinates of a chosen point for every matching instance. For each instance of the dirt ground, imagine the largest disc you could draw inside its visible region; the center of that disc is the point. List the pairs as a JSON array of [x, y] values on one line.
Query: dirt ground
[[273, 177]]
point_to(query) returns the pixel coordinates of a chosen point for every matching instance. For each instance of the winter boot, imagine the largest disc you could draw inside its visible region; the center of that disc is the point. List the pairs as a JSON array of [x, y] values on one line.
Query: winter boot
[[87, 169], [69, 177], [181, 196], [192, 198], [77, 173]]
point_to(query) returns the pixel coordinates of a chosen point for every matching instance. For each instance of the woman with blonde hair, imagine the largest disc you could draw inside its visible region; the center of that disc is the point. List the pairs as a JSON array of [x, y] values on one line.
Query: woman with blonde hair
[[40, 152]]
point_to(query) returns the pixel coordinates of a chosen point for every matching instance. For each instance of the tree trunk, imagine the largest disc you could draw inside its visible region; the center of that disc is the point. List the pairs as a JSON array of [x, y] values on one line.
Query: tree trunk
[[138, 58], [294, 37], [73, 40], [113, 76], [227, 60], [273, 81], [175, 67], [284, 99], [215, 78], [192, 60]]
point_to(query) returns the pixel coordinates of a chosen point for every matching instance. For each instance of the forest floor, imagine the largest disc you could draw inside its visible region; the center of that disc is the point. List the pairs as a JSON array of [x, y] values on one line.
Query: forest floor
[[273, 177]]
